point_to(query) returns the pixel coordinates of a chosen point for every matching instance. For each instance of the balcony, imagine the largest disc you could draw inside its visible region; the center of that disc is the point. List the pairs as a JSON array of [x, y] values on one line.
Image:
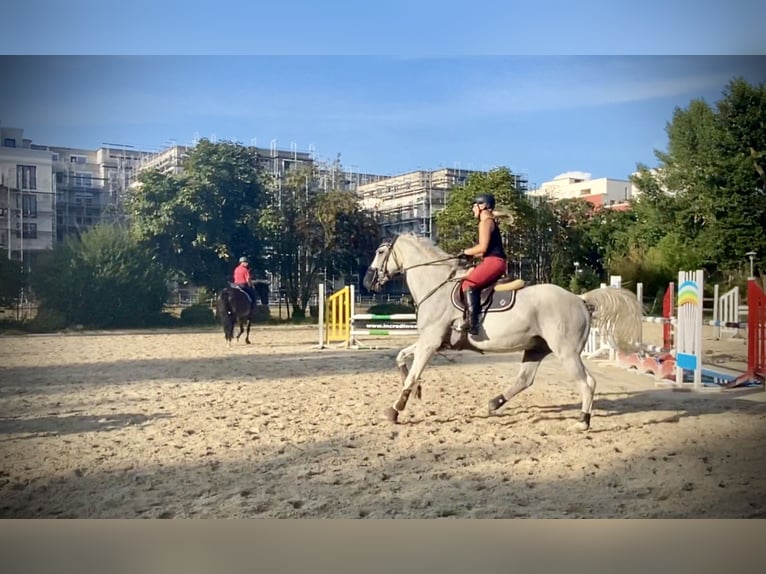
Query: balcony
[[42, 212]]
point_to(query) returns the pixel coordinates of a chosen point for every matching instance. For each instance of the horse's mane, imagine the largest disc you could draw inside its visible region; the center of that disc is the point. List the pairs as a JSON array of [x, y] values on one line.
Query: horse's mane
[[426, 245]]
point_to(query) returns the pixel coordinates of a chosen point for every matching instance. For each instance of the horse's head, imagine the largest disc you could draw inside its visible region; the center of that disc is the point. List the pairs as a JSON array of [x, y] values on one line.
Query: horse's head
[[384, 266]]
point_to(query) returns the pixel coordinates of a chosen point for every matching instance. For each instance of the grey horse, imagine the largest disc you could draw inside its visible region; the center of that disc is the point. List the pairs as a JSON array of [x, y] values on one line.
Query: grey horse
[[545, 319]]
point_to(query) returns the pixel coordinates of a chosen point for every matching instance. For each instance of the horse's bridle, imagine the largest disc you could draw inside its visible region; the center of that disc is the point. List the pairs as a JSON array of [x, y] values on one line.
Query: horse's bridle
[[387, 276], [384, 265]]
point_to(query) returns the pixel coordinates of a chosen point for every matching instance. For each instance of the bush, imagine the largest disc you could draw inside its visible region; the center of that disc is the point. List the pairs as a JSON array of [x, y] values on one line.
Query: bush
[[197, 315], [11, 281], [261, 315], [162, 320], [102, 279], [12, 327], [648, 269], [47, 321], [583, 281]]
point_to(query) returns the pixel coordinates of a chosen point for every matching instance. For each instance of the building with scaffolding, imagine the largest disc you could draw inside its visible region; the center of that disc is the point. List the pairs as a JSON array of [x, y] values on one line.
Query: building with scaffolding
[[91, 185], [277, 162], [76, 189], [168, 161], [409, 202]]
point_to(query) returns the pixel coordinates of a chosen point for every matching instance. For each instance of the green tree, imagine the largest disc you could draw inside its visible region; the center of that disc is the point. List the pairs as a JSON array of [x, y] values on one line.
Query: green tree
[[713, 170], [572, 243], [104, 278], [201, 221], [542, 239], [309, 231], [609, 232], [536, 240], [455, 224]]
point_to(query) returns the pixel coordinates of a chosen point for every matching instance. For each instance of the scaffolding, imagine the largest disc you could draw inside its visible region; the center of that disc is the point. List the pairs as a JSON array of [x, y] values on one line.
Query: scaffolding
[[409, 202]]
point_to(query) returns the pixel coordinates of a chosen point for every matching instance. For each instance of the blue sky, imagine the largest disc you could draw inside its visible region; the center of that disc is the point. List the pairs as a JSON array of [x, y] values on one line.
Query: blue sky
[[392, 86], [394, 27], [540, 115]]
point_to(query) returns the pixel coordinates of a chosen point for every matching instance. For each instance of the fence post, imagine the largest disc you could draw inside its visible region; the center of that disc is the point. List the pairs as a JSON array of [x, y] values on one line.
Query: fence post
[[320, 311], [352, 293], [716, 312]]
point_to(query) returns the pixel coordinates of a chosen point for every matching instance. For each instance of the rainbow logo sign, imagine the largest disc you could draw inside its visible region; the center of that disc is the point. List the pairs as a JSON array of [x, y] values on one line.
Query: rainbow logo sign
[[688, 294]]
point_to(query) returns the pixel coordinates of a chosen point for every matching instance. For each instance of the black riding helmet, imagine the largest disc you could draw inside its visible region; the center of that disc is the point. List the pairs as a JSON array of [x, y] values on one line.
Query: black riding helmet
[[486, 198]]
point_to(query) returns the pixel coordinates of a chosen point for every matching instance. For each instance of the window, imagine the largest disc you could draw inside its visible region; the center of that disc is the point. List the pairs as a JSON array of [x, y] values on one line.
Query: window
[[83, 179], [26, 177], [29, 231], [60, 177], [77, 159], [9, 142], [28, 205], [83, 199]]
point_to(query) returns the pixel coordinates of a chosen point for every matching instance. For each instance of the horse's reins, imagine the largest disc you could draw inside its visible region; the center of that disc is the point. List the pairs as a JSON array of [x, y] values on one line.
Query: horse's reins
[[405, 269]]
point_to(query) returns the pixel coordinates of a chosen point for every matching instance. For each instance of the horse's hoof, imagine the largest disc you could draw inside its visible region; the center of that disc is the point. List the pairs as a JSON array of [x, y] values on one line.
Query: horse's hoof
[[496, 403], [391, 414], [583, 424]]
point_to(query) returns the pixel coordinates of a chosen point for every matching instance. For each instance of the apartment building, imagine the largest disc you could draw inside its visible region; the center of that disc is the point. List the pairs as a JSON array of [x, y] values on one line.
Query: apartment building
[[65, 190], [603, 191], [408, 202], [274, 161], [27, 196], [168, 161]]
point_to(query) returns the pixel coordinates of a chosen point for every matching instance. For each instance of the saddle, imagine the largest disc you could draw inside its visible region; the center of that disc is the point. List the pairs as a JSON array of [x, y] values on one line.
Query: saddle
[[496, 297], [238, 288]]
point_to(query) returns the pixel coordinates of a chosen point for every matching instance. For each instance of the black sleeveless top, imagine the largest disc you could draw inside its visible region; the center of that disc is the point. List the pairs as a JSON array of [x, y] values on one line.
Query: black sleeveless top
[[495, 247]]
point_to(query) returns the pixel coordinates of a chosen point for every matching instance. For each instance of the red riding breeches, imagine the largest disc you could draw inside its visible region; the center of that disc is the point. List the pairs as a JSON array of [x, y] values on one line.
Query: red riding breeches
[[490, 269]]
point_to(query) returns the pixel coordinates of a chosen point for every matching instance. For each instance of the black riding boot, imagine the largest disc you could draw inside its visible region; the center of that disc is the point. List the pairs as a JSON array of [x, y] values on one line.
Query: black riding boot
[[473, 307]]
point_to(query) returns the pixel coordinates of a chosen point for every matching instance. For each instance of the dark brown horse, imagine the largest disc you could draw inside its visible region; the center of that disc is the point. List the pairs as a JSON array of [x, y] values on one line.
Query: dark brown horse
[[235, 308]]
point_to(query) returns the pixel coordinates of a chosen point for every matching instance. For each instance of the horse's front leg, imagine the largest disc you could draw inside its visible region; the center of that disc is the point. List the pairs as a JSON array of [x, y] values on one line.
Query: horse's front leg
[[241, 329], [423, 351], [401, 362]]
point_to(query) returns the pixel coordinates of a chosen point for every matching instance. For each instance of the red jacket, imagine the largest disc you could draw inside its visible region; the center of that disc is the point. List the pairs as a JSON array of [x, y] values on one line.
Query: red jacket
[[241, 274]]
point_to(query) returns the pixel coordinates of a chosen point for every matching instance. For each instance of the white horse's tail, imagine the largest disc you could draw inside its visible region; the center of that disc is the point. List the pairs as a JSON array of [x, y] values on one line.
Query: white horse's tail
[[616, 312]]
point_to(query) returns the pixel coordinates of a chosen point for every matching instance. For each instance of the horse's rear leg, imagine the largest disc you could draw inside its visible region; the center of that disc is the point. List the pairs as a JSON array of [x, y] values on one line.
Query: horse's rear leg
[[228, 328], [576, 368], [247, 336], [423, 354], [529, 364]]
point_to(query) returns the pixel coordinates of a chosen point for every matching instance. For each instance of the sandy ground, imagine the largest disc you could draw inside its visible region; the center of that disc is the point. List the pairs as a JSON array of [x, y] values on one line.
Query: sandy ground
[[176, 424]]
